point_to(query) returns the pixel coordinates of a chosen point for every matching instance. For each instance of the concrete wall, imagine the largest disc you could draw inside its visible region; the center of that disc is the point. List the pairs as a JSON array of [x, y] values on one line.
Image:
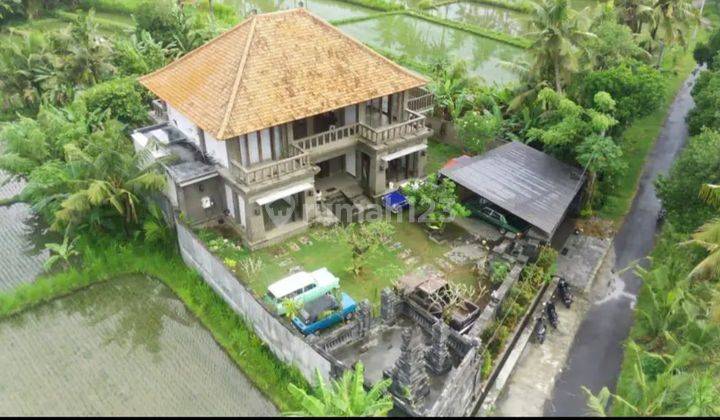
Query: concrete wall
[[190, 197], [286, 344], [217, 149], [184, 124]]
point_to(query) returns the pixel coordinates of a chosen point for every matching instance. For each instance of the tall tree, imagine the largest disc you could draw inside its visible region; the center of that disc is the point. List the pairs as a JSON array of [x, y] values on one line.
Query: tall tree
[[634, 13], [559, 36], [25, 68], [672, 19], [85, 53]]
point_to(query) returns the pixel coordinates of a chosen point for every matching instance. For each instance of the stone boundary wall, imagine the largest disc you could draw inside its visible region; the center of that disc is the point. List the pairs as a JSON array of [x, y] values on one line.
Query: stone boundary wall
[[466, 389], [288, 345]]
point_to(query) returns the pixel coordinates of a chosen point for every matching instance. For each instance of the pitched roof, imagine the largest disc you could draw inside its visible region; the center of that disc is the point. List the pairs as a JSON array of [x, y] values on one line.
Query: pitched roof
[[524, 181], [275, 68]]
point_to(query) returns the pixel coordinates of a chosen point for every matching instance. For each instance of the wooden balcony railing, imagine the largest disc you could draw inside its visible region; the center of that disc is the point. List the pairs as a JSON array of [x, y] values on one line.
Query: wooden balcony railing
[[423, 102], [267, 171]]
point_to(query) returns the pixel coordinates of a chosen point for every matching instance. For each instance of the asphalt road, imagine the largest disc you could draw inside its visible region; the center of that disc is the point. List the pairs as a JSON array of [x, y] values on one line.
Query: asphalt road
[[597, 350]]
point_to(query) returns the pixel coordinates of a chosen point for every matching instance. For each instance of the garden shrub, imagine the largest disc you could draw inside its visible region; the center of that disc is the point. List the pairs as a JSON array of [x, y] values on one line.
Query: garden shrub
[[637, 89], [699, 163], [121, 99]]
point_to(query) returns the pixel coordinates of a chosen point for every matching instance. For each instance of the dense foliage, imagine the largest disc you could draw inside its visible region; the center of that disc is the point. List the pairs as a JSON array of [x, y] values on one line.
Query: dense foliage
[[435, 201], [637, 89], [345, 397], [679, 190], [706, 94]]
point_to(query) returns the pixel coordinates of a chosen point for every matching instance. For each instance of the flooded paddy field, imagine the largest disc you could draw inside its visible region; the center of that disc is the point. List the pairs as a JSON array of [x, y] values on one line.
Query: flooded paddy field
[[123, 347], [485, 16], [426, 42], [326, 9], [22, 239]]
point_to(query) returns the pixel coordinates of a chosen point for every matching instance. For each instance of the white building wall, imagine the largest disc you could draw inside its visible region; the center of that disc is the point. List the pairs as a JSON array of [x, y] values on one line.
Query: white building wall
[[184, 124], [229, 200], [241, 210], [217, 149], [350, 162]]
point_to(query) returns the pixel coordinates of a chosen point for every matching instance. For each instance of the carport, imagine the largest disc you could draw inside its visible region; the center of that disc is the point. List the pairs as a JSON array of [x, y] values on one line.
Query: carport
[[521, 181]]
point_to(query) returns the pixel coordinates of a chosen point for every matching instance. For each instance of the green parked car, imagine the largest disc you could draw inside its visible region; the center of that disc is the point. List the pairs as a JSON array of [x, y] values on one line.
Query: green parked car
[[479, 208]]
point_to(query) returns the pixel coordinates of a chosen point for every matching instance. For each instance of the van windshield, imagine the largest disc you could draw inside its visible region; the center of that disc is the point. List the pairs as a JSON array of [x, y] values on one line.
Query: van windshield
[[270, 296]]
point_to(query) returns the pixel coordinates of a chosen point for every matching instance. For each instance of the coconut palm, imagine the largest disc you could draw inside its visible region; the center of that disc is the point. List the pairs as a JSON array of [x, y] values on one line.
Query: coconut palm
[[86, 54], [635, 13], [107, 184], [558, 35], [344, 398], [672, 19], [708, 237], [24, 68]]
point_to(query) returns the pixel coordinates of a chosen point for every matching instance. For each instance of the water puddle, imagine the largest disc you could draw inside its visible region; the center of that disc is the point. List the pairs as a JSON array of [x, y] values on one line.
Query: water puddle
[[125, 347], [427, 42]]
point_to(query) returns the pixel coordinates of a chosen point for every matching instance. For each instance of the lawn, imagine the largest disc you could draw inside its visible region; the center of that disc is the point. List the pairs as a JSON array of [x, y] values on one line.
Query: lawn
[[408, 249], [438, 154]]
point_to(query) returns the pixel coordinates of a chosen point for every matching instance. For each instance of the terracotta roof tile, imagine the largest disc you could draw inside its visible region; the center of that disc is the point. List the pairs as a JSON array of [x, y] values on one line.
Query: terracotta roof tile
[[275, 68]]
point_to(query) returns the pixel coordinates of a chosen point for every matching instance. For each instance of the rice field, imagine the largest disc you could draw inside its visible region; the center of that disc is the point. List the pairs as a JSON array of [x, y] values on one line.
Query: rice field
[[424, 41], [123, 347], [21, 244]]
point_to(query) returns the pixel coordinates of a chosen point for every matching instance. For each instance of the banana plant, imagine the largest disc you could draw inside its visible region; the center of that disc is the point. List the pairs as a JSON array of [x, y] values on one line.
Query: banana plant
[[61, 253]]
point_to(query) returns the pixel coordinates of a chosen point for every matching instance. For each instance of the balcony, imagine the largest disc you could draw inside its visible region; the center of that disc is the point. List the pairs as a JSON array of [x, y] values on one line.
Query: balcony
[[422, 101], [274, 170], [375, 136], [158, 112]]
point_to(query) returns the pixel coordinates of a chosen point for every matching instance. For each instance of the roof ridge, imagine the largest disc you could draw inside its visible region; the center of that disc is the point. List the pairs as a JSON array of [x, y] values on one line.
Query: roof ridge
[[236, 84], [196, 50], [363, 46]]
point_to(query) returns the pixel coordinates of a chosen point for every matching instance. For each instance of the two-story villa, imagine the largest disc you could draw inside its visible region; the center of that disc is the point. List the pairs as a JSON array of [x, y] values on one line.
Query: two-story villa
[[278, 114]]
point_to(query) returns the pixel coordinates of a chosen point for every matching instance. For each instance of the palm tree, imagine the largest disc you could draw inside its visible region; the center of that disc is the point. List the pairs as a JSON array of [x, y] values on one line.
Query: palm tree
[[635, 13], [86, 57], [107, 182], [24, 68], [672, 19], [558, 41], [344, 398], [708, 237]]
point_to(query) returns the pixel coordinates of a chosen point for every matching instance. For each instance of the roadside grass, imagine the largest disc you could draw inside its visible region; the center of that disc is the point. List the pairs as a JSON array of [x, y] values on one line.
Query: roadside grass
[[105, 259], [639, 138]]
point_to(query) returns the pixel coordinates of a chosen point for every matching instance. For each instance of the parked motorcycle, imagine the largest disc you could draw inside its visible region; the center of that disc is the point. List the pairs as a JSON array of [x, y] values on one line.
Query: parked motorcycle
[[551, 314], [540, 330], [563, 289]]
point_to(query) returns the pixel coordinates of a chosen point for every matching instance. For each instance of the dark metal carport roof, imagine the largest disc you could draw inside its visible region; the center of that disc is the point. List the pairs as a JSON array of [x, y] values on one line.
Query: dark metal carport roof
[[524, 181]]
